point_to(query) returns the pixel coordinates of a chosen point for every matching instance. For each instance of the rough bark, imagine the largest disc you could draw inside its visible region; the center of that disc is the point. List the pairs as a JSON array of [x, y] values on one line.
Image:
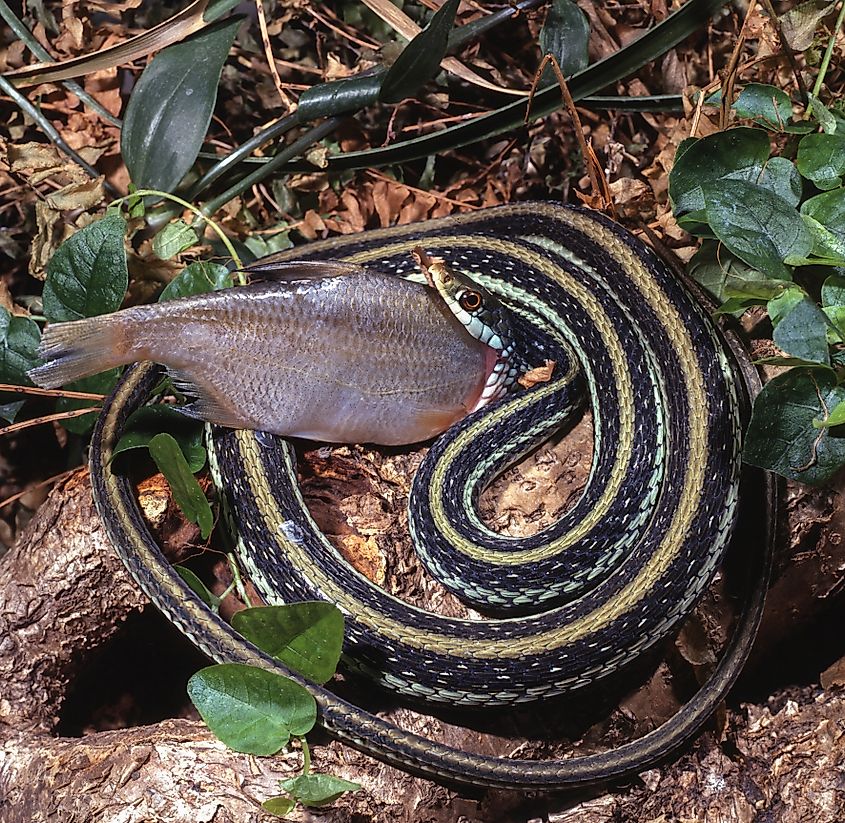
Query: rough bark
[[63, 595]]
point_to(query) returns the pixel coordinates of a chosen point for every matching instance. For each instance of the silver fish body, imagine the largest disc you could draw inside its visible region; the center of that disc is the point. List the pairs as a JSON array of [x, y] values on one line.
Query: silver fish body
[[344, 359]]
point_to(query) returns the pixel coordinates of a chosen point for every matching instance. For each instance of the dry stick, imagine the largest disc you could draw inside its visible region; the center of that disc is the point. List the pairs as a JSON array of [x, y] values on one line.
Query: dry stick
[[268, 53], [591, 164], [47, 418], [61, 393], [442, 197], [787, 50], [731, 71], [54, 479]]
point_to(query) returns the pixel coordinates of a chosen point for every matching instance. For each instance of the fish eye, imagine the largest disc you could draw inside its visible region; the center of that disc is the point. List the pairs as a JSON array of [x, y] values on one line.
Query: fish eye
[[469, 300]]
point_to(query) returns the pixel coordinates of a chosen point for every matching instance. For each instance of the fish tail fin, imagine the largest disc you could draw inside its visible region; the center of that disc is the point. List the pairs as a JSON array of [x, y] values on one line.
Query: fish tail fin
[[80, 348]]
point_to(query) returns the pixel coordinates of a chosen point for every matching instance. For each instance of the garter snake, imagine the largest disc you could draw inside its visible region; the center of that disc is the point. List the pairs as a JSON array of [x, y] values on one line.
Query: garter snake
[[651, 526]]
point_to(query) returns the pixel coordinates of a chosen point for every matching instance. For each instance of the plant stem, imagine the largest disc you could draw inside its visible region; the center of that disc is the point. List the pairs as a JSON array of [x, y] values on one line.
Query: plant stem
[[817, 86], [299, 146], [50, 131], [306, 756], [258, 140], [192, 208], [26, 36]]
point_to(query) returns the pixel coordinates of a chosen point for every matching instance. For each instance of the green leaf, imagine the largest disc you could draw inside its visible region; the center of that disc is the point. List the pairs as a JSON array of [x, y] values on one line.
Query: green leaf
[[781, 177], [279, 806], [175, 237], [19, 339], [835, 418], [784, 302], [828, 248], [833, 290], [198, 587], [766, 105], [149, 421], [198, 278], [828, 209], [802, 332], [87, 275], [171, 106], [759, 227], [186, 491], [306, 636], [251, 710], [420, 60], [317, 789], [724, 275], [102, 383], [822, 115], [565, 36], [781, 436], [821, 158], [737, 154]]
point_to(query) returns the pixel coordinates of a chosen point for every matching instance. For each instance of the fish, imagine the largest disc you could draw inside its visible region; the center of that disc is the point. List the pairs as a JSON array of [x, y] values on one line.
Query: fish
[[327, 352]]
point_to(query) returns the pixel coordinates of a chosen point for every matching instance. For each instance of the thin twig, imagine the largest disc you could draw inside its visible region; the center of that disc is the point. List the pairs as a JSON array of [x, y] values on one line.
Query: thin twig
[[54, 479], [268, 52], [442, 197], [60, 393], [730, 71], [787, 50], [47, 418]]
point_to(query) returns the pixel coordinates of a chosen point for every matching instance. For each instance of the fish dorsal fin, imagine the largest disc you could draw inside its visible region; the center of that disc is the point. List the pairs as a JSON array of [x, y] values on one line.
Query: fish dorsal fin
[[285, 271]]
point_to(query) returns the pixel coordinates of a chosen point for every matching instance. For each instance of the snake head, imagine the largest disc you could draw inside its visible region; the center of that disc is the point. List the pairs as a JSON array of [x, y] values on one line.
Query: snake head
[[484, 318]]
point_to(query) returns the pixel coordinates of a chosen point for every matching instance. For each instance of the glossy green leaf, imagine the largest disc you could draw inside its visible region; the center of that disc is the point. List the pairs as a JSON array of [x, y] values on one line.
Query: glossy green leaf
[[828, 208], [802, 332], [781, 436], [780, 176], [317, 789], [251, 710], [175, 237], [823, 115], [766, 105], [821, 158], [828, 247], [737, 154], [87, 275], [723, 275], [171, 106], [756, 225], [835, 418], [150, 421], [19, 339], [306, 636], [565, 36], [833, 290], [420, 60], [198, 278], [784, 302], [187, 493], [279, 806]]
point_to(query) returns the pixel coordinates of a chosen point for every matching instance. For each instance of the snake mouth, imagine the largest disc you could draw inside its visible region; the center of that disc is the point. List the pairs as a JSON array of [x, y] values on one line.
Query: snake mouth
[[501, 374]]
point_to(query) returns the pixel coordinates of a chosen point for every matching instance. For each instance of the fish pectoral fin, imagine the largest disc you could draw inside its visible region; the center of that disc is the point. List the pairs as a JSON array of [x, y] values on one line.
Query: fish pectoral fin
[[429, 423], [292, 270], [208, 404]]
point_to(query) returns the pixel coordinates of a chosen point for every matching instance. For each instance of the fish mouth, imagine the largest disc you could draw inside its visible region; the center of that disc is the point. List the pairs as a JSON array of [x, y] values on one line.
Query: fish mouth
[[501, 374]]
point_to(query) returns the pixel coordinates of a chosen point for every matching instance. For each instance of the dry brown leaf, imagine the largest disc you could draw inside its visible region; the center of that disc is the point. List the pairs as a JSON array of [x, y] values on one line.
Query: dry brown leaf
[[82, 195]]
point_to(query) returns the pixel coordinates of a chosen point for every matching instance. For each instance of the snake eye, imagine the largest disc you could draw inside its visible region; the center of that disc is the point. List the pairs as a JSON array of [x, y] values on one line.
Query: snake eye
[[469, 300]]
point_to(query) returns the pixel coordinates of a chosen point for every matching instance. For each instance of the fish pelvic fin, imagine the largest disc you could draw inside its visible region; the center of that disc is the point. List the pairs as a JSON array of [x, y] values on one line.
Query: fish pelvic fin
[[80, 348], [209, 404]]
